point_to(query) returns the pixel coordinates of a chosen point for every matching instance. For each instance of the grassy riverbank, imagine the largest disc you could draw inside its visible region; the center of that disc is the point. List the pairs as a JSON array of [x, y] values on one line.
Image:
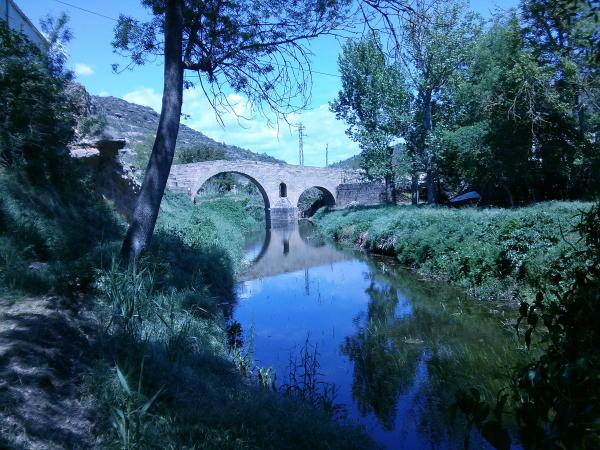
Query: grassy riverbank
[[153, 367], [497, 254]]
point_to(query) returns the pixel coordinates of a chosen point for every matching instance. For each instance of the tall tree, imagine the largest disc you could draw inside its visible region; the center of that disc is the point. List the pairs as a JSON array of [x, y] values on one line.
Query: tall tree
[[436, 41], [374, 102], [564, 36], [253, 47]]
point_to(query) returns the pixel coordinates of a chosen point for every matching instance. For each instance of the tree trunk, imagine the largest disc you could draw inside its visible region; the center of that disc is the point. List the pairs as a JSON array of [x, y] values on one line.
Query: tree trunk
[[414, 189], [428, 125], [390, 189], [157, 172]]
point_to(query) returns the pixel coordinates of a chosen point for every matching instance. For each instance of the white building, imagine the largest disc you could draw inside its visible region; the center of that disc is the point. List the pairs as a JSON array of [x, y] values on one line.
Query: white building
[[18, 21]]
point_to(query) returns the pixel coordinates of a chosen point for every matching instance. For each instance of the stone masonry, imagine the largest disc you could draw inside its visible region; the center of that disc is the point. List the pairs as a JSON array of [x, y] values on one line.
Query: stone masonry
[[280, 184], [371, 193]]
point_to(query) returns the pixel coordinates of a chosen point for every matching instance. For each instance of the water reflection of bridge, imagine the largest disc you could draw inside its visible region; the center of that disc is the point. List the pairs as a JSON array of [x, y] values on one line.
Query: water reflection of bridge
[[289, 249]]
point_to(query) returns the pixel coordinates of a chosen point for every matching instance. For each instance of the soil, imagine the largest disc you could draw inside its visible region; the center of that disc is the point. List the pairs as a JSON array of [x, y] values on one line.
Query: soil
[[45, 350]]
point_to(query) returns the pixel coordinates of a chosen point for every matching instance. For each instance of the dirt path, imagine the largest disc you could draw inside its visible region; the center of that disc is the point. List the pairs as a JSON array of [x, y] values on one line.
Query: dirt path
[[44, 351]]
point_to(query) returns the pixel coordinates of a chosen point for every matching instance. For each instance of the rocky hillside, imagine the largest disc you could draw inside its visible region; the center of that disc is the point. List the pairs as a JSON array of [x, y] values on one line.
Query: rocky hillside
[[138, 124]]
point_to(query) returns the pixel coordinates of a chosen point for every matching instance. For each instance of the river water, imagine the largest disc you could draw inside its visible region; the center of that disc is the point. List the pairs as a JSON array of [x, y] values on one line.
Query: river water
[[396, 347]]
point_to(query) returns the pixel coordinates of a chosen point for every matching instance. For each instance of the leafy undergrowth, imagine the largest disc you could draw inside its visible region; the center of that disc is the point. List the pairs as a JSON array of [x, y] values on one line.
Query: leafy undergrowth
[[53, 237], [499, 254], [158, 372], [167, 378]]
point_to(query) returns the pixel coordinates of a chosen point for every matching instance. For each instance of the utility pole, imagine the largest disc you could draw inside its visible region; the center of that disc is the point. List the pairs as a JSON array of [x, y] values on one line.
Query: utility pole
[[326, 155], [301, 129]]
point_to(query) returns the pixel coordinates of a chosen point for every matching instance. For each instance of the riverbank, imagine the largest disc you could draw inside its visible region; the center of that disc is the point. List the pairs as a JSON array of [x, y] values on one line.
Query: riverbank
[[159, 366], [496, 254]]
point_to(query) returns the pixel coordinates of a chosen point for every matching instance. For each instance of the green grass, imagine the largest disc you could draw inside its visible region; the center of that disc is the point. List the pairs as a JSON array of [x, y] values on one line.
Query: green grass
[[52, 238], [164, 327], [500, 254], [172, 314]]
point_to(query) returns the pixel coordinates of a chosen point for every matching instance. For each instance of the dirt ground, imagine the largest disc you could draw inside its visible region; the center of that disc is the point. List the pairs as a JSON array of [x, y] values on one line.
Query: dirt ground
[[45, 348]]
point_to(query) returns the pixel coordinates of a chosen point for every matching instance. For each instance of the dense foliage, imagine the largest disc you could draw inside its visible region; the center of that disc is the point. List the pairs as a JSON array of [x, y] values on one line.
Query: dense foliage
[[554, 397], [495, 253], [509, 109], [37, 115], [559, 394]]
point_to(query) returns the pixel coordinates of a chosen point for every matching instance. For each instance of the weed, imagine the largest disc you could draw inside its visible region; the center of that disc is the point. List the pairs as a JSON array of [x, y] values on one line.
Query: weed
[[496, 254], [130, 419]]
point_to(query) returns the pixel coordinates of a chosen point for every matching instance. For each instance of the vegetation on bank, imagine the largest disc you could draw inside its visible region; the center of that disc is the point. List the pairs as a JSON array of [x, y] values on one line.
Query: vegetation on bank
[[163, 368], [500, 254], [167, 335]]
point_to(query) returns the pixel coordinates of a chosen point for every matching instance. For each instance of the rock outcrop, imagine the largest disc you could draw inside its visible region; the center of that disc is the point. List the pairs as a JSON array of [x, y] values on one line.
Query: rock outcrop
[[115, 181]]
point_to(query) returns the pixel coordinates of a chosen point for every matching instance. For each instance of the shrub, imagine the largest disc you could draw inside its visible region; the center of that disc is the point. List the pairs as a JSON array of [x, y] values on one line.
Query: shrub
[[495, 253], [37, 116]]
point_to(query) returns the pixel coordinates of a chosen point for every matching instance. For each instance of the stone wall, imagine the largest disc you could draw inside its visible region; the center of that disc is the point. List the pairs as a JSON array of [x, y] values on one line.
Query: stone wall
[[372, 193], [114, 181]]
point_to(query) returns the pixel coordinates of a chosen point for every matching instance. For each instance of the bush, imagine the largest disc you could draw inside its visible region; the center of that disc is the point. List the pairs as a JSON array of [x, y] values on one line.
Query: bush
[[495, 253], [198, 153], [37, 116]]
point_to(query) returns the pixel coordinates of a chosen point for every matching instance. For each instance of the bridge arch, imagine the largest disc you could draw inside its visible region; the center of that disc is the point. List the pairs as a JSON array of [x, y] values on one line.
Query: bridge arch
[[313, 198], [204, 179]]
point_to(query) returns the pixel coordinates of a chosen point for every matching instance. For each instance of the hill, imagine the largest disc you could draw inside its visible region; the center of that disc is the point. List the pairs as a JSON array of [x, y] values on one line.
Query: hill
[[350, 163], [138, 124]]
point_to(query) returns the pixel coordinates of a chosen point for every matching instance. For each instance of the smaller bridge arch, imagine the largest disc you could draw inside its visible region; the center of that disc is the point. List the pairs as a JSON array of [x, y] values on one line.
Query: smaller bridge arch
[[313, 198]]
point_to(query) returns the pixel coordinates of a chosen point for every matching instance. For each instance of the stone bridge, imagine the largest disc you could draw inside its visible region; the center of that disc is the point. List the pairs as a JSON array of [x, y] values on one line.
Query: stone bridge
[[280, 184]]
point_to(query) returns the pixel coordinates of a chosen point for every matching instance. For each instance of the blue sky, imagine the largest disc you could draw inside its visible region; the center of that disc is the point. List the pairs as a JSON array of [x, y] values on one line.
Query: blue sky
[[91, 57]]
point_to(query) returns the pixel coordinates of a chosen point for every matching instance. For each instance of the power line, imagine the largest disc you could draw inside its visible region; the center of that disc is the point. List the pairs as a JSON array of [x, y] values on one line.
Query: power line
[[301, 129], [86, 10], [116, 20]]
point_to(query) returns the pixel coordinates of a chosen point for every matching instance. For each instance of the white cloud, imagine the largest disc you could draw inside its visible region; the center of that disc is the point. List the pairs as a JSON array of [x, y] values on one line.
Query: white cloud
[[321, 127], [145, 97], [83, 70]]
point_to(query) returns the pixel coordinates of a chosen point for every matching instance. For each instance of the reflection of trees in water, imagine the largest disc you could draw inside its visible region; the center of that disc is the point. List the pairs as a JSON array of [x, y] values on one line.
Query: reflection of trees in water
[[309, 235], [464, 346], [383, 366]]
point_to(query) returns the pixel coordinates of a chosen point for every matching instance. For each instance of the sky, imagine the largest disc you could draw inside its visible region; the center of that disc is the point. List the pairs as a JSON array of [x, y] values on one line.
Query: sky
[[90, 56]]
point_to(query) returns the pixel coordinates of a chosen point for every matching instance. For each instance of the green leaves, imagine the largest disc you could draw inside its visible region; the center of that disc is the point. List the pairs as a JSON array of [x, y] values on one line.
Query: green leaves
[[130, 419], [37, 114], [374, 102]]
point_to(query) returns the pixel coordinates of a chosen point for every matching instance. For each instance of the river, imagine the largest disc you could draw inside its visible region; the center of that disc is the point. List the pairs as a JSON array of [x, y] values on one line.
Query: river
[[396, 347]]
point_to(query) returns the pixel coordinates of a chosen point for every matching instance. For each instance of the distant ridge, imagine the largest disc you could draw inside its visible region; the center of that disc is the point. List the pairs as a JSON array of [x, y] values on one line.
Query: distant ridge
[[138, 124], [350, 163]]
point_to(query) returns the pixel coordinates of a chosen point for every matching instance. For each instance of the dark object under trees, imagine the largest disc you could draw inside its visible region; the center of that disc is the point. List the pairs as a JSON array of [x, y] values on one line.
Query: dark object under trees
[[256, 48]]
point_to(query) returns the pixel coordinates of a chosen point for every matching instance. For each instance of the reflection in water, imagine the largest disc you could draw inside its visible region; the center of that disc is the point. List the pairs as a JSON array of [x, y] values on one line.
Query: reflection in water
[[396, 347], [288, 249], [383, 366]]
